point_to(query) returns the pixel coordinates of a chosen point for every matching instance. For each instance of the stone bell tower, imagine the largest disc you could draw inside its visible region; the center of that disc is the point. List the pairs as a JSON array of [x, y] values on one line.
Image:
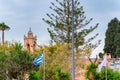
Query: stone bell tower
[[30, 42]]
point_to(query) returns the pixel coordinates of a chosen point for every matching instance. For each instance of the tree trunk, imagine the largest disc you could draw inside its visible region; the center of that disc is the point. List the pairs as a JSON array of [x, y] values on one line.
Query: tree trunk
[[2, 37]]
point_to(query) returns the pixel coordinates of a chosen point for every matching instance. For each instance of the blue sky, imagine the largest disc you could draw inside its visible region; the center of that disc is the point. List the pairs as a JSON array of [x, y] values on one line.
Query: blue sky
[[20, 15], [102, 11]]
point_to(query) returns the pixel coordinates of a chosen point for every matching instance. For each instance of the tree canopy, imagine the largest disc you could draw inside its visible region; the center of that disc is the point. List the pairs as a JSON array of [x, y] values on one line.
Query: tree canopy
[[60, 22], [112, 40], [3, 27]]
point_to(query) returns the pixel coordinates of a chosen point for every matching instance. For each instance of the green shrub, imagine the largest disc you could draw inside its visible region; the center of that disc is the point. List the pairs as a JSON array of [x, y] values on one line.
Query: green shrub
[[57, 74], [60, 75], [111, 75], [92, 74], [34, 76]]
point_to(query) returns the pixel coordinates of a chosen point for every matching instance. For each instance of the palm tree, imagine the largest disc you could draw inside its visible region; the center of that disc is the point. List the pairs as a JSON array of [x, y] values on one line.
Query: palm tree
[[3, 27]]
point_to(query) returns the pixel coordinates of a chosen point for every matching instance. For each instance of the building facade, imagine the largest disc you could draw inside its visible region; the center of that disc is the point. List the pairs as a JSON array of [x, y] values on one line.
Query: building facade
[[30, 42]]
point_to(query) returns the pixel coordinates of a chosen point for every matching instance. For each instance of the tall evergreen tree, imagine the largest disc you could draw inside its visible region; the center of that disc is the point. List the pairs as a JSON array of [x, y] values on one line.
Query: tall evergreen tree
[[117, 41], [60, 22], [112, 40]]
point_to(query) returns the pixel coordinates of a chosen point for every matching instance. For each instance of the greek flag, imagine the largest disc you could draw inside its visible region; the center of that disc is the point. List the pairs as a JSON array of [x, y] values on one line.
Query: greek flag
[[39, 60]]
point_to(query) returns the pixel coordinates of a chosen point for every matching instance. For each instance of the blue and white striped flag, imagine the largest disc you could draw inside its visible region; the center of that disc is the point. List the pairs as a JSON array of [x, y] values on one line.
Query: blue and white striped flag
[[39, 60]]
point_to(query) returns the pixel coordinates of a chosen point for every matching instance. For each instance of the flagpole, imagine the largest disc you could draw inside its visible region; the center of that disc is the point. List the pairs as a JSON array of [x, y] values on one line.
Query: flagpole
[[43, 66], [106, 73], [73, 71], [106, 67]]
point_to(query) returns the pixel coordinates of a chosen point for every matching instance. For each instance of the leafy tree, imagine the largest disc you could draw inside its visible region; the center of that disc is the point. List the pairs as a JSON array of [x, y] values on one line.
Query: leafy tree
[[112, 40], [58, 55], [101, 55], [15, 62], [3, 27], [60, 29], [21, 62]]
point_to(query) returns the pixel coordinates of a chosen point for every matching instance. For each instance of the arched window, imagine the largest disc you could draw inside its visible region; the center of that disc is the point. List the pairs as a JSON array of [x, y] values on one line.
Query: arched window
[[28, 47]]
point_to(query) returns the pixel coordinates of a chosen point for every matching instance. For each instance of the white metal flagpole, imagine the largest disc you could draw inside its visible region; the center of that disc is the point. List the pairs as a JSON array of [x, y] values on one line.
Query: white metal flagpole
[[106, 67], [43, 66], [73, 71]]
